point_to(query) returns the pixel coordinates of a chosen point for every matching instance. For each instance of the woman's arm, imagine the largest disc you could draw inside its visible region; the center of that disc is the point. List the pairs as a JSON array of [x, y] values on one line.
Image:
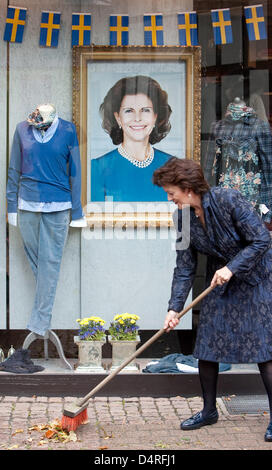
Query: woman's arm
[[252, 231]]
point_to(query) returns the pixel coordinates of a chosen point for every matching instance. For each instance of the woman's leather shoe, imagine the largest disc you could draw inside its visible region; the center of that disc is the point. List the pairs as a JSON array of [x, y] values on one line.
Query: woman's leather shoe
[[268, 434], [197, 421]]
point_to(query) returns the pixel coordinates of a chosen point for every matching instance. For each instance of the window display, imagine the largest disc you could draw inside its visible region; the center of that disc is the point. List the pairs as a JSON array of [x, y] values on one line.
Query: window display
[[239, 155]]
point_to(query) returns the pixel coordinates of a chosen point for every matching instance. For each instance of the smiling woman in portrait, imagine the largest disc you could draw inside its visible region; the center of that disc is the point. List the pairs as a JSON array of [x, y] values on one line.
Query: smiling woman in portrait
[[135, 114]]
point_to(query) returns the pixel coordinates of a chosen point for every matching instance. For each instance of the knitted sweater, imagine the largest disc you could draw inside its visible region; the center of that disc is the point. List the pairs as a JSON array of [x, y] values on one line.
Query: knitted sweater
[[45, 172]]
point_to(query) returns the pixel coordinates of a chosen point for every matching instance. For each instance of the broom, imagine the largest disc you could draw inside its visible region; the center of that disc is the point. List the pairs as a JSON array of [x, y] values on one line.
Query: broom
[[75, 414]]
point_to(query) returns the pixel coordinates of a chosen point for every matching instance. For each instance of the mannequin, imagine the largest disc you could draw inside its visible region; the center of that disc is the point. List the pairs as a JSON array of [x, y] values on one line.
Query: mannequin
[[239, 156], [43, 193]]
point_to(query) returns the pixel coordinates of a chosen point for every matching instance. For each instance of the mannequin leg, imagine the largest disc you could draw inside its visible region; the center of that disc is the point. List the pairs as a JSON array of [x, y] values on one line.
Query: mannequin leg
[[208, 374], [29, 225], [52, 238], [53, 230]]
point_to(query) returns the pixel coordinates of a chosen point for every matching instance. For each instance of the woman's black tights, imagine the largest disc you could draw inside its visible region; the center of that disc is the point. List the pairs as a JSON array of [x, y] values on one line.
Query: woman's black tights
[[265, 369], [208, 374]]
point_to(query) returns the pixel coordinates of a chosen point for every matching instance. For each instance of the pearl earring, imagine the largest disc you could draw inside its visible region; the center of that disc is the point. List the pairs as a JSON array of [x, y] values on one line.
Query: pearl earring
[[189, 194]]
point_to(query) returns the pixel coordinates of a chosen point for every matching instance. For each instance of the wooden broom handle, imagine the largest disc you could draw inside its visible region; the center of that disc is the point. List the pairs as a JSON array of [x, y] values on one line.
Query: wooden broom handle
[[151, 340]]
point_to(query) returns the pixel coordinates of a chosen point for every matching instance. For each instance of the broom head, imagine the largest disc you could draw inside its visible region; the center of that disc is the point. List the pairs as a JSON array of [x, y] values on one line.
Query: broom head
[[73, 416]]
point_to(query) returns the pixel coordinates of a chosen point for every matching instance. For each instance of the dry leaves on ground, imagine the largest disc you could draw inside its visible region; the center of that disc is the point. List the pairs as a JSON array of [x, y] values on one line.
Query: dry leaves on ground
[[53, 431]]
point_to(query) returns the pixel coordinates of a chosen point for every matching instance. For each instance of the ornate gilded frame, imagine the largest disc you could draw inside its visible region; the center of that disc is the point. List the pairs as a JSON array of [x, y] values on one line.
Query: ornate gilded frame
[[81, 56]]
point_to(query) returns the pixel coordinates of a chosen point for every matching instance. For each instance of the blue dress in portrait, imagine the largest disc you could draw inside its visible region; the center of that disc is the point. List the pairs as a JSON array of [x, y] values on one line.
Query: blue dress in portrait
[[114, 176], [235, 322]]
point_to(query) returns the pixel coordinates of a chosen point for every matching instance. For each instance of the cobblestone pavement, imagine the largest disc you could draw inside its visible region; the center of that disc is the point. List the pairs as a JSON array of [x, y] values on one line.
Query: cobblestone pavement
[[137, 423]]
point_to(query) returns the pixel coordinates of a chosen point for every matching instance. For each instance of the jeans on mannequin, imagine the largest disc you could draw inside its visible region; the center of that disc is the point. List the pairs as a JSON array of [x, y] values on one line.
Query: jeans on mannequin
[[44, 236]]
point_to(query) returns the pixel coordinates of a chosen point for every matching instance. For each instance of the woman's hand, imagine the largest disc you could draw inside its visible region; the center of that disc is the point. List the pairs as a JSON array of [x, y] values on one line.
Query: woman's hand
[[171, 320], [221, 276]]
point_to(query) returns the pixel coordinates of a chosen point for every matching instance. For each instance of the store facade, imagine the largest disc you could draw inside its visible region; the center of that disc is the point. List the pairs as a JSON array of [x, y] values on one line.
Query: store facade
[[124, 264]]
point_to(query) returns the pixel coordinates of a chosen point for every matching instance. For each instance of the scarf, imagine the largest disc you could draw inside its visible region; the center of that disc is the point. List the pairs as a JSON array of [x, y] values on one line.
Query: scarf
[[42, 117], [236, 112]]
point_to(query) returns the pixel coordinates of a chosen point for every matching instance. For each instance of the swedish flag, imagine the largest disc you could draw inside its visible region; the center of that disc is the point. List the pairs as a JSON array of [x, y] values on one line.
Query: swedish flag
[[15, 24], [222, 29], [153, 30], [187, 25], [81, 29], [255, 22], [119, 30], [50, 26]]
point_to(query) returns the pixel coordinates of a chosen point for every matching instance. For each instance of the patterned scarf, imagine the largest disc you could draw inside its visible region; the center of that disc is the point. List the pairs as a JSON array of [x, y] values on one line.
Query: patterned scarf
[[42, 117], [236, 112]]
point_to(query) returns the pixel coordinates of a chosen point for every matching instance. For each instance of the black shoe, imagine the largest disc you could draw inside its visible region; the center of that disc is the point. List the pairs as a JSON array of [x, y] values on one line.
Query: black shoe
[[197, 421], [268, 434]]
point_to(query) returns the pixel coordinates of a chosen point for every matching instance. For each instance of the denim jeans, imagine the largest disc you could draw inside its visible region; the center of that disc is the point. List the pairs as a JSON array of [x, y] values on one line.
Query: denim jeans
[[44, 235]]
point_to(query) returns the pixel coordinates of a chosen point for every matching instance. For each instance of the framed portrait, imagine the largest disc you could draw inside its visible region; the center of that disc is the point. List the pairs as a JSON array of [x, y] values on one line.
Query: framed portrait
[[134, 107]]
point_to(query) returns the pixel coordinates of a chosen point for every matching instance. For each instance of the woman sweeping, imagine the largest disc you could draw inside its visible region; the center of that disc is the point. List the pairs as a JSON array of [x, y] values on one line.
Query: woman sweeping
[[235, 324]]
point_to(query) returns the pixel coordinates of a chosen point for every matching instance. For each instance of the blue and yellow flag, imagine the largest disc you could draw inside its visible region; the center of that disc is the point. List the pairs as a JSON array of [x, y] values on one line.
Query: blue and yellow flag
[[119, 30], [187, 25], [15, 24], [81, 29], [255, 22], [153, 30], [50, 26], [222, 29]]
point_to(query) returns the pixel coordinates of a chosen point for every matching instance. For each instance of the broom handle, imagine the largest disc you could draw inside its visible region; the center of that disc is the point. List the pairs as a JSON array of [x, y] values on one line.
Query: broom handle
[[141, 349]]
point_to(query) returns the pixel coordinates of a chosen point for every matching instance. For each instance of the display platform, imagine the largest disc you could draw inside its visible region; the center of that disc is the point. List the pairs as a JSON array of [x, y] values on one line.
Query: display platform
[[55, 380]]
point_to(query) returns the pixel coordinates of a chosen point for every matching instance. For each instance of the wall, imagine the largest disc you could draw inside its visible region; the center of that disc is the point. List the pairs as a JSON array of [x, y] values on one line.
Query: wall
[[101, 277], [3, 132]]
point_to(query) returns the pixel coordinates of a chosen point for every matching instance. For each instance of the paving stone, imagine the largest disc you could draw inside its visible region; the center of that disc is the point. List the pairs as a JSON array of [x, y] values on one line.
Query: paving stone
[[135, 423]]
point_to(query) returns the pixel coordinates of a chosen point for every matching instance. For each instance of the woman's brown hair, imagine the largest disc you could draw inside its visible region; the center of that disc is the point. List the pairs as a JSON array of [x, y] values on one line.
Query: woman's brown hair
[[133, 86], [181, 172]]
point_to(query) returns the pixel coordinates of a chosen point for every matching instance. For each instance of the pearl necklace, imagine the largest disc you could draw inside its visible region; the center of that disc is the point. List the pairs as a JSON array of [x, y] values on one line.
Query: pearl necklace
[[134, 161]]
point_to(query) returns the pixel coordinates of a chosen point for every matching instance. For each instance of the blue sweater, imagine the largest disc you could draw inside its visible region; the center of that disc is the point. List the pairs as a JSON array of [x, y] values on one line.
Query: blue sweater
[[45, 172], [113, 175]]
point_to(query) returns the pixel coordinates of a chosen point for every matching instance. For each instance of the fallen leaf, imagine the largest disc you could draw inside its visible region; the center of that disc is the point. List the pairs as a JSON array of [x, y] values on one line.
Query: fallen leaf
[[50, 433], [17, 431], [13, 447], [42, 442], [72, 436], [54, 432], [103, 448], [38, 427]]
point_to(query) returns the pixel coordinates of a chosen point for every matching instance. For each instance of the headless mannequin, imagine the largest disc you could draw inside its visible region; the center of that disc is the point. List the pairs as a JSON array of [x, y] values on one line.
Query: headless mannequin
[[42, 118], [238, 102], [43, 225], [238, 156]]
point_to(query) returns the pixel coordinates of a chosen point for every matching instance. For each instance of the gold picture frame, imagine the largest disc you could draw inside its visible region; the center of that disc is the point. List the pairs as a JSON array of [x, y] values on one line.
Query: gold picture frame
[[83, 57]]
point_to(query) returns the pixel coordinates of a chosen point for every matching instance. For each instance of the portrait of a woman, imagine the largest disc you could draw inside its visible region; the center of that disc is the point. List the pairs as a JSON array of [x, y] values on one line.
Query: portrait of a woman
[[135, 114]]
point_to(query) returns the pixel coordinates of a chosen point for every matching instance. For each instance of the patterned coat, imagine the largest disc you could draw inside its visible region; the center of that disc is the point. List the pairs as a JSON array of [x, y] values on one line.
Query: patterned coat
[[235, 324], [239, 155]]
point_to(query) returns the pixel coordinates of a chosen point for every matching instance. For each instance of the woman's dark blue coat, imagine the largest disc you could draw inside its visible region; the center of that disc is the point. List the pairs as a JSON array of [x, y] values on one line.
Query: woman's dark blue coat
[[235, 323]]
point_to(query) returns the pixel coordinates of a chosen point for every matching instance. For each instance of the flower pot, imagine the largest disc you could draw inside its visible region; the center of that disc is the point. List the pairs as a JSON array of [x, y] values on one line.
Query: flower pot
[[121, 350], [89, 355]]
